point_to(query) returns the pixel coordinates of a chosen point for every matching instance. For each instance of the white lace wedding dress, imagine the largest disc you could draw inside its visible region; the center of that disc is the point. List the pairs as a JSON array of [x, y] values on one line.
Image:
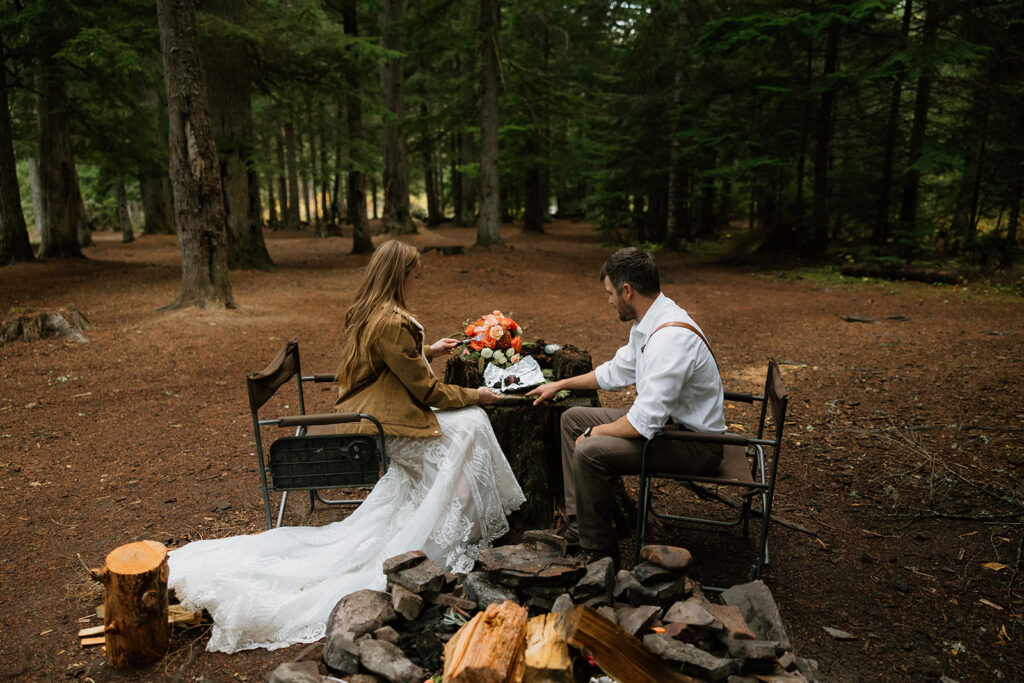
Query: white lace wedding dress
[[448, 496]]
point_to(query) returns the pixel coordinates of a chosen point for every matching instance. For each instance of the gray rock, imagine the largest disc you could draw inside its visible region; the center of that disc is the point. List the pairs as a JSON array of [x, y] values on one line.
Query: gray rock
[[363, 678], [405, 602], [809, 669], [387, 660], [424, 577], [760, 611], [692, 613], [479, 589], [523, 565], [598, 581], [751, 649], [404, 561], [430, 648], [696, 662], [656, 593], [387, 634], [538, 605], [637, 620], [624, 582], [608, 612], [648, 572], [542, 539], [563, 603], [361, 612], [667, 556], [296, 672], [341, 653]]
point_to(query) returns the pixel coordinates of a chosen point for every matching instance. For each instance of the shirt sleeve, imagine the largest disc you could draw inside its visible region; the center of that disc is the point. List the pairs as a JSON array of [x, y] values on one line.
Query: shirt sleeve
[[669, 360], [618, 372], [400, 352]]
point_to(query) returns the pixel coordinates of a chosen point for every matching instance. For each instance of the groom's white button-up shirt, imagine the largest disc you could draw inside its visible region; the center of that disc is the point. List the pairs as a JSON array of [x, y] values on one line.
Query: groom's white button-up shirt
[[675, 374]]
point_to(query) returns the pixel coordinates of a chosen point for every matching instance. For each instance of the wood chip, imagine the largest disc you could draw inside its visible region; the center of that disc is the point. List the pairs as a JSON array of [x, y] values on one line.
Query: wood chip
[[91, 631], [89, 642]]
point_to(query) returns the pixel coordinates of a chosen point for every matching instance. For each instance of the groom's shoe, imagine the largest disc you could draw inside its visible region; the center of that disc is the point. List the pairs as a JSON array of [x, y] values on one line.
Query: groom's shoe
[[588, 556], [570, 531]]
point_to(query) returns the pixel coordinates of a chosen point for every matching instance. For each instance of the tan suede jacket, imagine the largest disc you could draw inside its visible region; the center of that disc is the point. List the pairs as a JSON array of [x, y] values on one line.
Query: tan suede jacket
[[398, 387]]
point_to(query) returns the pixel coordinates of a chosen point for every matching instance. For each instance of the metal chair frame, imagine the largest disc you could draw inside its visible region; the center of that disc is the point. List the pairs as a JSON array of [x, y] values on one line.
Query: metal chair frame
[[763, 471], [261, 387]]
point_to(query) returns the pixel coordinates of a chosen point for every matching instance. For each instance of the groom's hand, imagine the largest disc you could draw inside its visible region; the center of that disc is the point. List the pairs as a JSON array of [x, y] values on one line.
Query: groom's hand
[[545, 392]]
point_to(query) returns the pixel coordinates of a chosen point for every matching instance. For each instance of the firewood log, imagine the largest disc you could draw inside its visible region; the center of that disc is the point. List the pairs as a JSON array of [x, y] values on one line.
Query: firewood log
[[489, 647]]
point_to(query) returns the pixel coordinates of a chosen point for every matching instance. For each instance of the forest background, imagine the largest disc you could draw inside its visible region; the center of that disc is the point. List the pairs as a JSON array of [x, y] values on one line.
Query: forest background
[[869, 131]]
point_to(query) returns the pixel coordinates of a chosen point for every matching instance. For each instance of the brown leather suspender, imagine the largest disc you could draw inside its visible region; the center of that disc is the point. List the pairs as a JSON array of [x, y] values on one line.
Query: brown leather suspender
[[687, 326]]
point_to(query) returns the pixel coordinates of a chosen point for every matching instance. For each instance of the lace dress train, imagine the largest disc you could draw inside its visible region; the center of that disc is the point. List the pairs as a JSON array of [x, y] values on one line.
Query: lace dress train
[[448, 496]]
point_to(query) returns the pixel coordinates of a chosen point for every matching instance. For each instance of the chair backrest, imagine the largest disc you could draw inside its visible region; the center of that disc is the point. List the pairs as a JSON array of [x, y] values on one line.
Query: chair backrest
[[263, 384], [776, 399]]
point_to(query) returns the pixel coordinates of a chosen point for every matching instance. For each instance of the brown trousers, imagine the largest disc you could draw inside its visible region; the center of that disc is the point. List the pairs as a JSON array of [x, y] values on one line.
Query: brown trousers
[[591, 469]]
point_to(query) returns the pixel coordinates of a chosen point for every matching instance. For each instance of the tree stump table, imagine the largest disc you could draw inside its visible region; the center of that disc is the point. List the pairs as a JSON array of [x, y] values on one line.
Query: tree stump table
[[135, 604], [530, 435]]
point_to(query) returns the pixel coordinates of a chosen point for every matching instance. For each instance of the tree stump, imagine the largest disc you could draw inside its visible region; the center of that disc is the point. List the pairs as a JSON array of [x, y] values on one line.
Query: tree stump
[[530, 436], [135, 606], [34, 326]]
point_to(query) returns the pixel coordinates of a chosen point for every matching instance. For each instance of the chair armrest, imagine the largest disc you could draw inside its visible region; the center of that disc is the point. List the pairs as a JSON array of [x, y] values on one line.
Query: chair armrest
[[320, 377], [703, 437], [321, 419], [742, 396]]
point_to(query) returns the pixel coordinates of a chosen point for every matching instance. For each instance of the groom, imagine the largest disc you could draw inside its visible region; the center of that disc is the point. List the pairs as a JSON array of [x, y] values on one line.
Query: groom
[[677, 382]]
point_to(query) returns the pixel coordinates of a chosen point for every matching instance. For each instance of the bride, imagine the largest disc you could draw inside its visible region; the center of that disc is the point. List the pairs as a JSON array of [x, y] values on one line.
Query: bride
[[448, 489]]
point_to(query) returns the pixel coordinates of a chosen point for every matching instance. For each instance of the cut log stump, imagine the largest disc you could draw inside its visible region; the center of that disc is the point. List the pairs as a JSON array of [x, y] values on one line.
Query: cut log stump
[[34, 326], [135, 605]]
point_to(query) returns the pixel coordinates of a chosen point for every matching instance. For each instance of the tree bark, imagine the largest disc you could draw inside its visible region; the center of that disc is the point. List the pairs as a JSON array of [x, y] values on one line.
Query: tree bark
[[1006, 258], [198, 198], [356, 187], [271, 200], [14, 241], [327, 214], [488, 229], [154, 183], [397, 216], [225, 61], [912, 177], [124, 224], [823, 139], [61, 209]]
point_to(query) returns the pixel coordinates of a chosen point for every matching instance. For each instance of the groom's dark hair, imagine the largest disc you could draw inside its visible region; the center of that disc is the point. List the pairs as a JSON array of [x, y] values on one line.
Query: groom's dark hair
[[635, 267]]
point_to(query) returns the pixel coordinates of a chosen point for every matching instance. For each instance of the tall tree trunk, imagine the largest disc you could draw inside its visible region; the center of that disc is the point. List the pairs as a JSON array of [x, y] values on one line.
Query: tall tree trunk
[[325, 203], [533, 198], [1006, 258], [488, 229], [356, 187], [397, 216], [282, 180], [373, 195], [14, 242], [292, 218], [271, 200], [823, 139], [430, 179], [881, 230], [225, 61], [912, 177], [678, 95], [154, 183], [37, 193], [457, 203], [123, 222], [198, 198], [61, 207]]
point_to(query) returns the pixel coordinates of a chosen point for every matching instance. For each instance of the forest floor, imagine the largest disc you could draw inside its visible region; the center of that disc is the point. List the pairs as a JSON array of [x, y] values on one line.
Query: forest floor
[[903, 455]]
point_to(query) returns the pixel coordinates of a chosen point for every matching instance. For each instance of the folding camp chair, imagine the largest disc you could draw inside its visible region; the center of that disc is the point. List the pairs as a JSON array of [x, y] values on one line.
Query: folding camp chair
[[744, 466], [316, 457]]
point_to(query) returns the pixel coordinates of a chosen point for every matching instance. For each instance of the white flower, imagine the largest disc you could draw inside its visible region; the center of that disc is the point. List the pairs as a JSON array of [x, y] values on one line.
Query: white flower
[[486, 352]]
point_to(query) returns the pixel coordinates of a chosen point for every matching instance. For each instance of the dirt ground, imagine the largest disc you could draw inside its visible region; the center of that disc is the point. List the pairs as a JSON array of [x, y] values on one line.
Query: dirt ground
[[902, 458]]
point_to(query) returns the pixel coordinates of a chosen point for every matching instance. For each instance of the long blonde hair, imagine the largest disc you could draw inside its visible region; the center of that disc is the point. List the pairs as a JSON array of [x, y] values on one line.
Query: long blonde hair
[[382, 289]]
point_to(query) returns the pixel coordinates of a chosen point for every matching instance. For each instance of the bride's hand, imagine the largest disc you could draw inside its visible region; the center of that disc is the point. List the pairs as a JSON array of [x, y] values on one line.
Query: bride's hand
[[442, 347], [488, 396]]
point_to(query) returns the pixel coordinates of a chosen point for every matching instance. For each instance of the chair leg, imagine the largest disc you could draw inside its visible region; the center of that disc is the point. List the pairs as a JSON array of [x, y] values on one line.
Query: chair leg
[[312, 501], [280, 510], [643, 504]]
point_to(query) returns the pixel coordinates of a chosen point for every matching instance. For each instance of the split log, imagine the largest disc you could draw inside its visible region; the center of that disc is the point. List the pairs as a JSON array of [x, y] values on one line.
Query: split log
[[135, 614], [489, 647], [900, 271], [547, 652], [620, 655]]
